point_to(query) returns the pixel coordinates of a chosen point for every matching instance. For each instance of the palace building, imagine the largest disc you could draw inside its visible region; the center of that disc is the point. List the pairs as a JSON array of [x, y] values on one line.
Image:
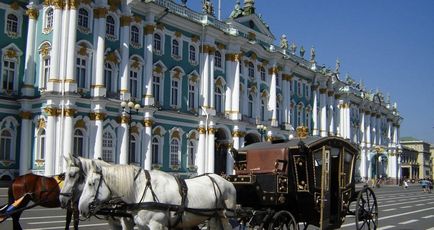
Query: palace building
[[157, 84]]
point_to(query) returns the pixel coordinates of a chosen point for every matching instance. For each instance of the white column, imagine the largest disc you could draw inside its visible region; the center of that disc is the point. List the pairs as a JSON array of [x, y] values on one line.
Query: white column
[[348, 120], [389, 133], [230, 76], [205, 77], [273, 96], [125, 57], [149, 41], [50, 141], [368, 142], [55, 49], [123, 135], [235, 110], [99, 119], [64, 38], [236, 145], [363, 153], [148, 141], [337, 125], [378, 135], [211, 79], [100, 21], [315, 111], [211, 148], [25, 141], [68, 135], [70, 83], [331, 105], [29, 65], [286, 100], [323, 105], [200, 157]]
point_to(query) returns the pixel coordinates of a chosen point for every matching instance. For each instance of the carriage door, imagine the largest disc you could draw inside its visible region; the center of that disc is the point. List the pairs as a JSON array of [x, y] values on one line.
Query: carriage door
[[322, 164]]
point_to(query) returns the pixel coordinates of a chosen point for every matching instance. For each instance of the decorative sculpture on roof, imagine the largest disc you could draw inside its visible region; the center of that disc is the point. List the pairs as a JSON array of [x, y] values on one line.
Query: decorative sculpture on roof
[[338, 65], [184, 2], [312, 54], [249, 7], [293, 48], [237, 12], [208, 7], [283, 42], [302, 51]]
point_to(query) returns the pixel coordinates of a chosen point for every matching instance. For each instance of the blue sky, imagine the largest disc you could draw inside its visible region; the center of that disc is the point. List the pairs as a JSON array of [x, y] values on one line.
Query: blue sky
[[388, 44]]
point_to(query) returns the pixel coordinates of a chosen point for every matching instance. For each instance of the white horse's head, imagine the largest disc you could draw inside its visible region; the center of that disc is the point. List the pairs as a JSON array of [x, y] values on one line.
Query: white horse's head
[[74, 180], [95, 191]]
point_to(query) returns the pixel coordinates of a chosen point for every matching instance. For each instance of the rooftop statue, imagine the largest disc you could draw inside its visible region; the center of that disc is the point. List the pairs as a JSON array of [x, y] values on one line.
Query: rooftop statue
[[237, 11], [249, 7], [302, 51], [283, 42], [338, 65], [312, 54], [208, 7], [293, 48]]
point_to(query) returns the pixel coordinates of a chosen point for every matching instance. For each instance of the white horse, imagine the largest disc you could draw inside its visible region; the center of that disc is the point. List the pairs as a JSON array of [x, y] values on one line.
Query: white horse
[[75, 175], [208, 197]]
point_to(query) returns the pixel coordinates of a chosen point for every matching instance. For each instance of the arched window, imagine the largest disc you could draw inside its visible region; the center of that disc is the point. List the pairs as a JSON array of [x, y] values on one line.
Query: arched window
[[110, 26], [156, 160], [78, 143], [156, 87], [157, 43], [8, 75], [174, 152], [5, 145], [174, 91], [191, 96], [83, 18], [263, 74], [190, 152], [192, 54], [49, 18], [81, 67], [218, 100], [135, 35], [250, 106], [299, 115], [107, 147], [134, 157], [108, 76], [134, 83], [12, 24], [175, 48], [41, 145], [251, 71], [218, 59]]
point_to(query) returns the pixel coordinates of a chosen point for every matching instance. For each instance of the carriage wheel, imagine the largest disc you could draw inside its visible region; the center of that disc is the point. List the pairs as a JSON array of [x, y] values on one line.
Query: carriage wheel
[[283, 220], [366, 210]]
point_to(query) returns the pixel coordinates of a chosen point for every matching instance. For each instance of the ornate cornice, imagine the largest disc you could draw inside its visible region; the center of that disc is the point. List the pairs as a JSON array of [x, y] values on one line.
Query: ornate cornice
[[26, 115], [32, 13]]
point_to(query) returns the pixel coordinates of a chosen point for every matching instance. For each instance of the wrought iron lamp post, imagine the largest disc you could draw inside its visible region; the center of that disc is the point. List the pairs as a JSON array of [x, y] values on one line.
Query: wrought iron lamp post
[[262, 129], [377, 165], [129, 108]]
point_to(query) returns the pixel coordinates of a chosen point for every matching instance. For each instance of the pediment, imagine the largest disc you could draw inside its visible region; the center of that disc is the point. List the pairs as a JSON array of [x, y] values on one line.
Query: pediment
[[254, 22]]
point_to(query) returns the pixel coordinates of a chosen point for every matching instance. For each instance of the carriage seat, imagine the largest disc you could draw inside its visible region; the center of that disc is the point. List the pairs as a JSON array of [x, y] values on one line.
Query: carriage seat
[[265, 161]]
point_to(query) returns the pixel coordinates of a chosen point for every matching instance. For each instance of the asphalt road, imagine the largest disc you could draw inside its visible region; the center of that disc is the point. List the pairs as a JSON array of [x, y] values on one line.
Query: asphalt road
[[399, 208]]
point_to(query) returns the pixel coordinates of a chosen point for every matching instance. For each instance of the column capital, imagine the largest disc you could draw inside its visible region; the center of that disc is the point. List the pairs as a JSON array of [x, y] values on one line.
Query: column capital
[[73, 4], [273, 70], [70, 112], [126, 20], [124, 119], [201, 130], [322, 90], [148, 122], [51, 111], [149, 29], [100, 12], [238, 133], [32, 13], [97, 116], [26, 115], [212, 130]]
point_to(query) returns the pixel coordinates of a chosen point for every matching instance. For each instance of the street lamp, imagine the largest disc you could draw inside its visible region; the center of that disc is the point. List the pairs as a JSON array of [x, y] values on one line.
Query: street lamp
[[262, 129], [129, 108], [378, 150]]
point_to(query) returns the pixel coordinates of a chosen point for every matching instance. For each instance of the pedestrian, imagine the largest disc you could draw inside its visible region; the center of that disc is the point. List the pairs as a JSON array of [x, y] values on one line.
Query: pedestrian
[[405, 184], [429, 186], [424, 185]]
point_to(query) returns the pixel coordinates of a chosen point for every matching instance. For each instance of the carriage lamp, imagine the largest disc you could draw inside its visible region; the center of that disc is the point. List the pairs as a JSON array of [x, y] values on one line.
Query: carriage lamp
[[262, 129], [130, 108]]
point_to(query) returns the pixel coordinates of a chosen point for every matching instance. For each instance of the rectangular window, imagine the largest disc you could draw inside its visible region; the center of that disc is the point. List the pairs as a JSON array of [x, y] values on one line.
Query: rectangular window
[[8, 75], [46, 72], [174, 100], [191, 96], [81, 73], [156, 89], [133, 83]]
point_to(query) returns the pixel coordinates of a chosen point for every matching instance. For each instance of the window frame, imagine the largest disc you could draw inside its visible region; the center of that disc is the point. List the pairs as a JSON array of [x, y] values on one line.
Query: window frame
[[108, 146], [48, 20], [77, 138], [8, 153], [177, 153]]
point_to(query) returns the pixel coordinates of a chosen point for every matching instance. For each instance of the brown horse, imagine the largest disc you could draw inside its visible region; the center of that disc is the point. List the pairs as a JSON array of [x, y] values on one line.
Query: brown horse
[[42, 191]]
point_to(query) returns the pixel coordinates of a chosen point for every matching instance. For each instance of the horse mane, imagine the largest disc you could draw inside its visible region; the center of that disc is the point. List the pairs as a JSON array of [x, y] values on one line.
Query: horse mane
[[120, 178], [86, 164]]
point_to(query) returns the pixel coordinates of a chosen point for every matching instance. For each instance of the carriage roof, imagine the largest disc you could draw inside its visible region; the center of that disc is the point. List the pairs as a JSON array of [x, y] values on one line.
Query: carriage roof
[[309, 142]]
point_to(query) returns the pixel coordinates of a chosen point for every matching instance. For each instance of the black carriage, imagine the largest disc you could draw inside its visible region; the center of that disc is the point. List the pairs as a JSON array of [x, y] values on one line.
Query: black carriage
[[304, 180]]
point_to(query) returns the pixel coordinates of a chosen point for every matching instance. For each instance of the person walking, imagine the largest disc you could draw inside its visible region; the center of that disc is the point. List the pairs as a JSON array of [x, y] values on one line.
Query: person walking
[[405, 184], [424, 185]]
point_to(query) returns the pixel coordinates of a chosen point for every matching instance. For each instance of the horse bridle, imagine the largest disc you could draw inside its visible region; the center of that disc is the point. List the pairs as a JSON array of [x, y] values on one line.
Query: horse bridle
[[96, 203], [81, 178]]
